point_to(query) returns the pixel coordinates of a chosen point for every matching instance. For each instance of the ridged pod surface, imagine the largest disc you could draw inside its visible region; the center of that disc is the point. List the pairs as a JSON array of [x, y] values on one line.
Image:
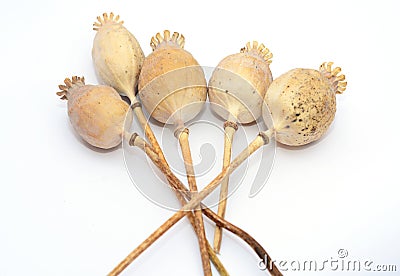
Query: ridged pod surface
[[239, 82], [172, 85], [302, 103], [117, 55], [97, 112]]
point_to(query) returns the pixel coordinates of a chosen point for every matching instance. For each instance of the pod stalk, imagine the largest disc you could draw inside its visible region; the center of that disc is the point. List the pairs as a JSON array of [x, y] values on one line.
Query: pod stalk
[[230, 128], [198, 218]]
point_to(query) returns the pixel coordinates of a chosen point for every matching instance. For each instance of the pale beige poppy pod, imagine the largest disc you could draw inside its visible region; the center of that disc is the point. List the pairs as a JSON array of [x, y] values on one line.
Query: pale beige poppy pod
[[117, 55], [302, 104], [239, 82], [96, 112], [172, 85]]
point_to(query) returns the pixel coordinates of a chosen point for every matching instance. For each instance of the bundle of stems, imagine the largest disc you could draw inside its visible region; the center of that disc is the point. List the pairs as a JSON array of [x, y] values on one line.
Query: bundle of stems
[[135, 140]]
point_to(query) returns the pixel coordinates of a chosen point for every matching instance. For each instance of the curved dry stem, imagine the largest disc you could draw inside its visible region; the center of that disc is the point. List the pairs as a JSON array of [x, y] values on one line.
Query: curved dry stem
[[261, 139], [253, 243], [183, 138], [230, 129]]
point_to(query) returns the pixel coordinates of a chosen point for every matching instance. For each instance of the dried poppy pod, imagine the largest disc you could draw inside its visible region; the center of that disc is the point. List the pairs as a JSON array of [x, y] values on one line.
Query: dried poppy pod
[[97, 112], [302, 103], [173, 89], [117, 55], [239, 82], [236, 90], [172, 85]]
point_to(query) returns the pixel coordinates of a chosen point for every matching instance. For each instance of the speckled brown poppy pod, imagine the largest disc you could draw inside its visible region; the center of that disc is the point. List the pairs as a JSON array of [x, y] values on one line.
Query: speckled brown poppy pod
[[302, 103], [97, 112]]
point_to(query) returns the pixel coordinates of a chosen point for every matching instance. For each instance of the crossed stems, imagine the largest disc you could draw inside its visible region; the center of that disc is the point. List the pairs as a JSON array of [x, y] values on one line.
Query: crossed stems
[[159, 160]]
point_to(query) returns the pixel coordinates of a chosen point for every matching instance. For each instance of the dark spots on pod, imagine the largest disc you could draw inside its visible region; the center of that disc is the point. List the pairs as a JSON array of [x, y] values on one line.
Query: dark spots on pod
[[126, 71], [295, 120], [254, 92], [300, 120], [313, 129], [297, 114], [98, 102], [226, 91], [287, 126]]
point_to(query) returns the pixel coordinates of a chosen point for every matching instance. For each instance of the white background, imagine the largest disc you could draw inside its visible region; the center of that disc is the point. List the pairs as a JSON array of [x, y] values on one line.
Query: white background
[[66, 209]]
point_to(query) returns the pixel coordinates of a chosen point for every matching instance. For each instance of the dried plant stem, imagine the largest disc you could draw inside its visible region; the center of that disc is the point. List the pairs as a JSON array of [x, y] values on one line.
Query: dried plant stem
[[136, 106], [253, 243], [137, 109], [229, 128], [178, 186], [261, 139], [183, 137]]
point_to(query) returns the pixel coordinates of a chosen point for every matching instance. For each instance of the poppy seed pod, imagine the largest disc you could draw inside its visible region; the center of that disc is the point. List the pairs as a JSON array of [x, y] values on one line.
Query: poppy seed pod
[[117, 55], [239, 82], [97, 112], [302, 103], [172, 85]]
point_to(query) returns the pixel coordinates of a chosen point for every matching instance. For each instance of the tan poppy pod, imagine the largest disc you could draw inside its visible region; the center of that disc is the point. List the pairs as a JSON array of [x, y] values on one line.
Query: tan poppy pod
[[172, 85], [97, 112], [236, 90], [173, 89], [117, 55], [239, 82], [302, 103]]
